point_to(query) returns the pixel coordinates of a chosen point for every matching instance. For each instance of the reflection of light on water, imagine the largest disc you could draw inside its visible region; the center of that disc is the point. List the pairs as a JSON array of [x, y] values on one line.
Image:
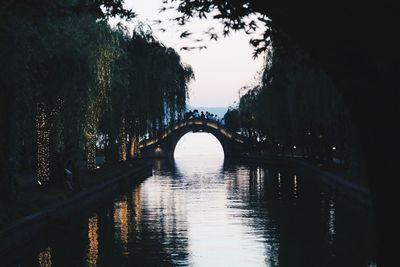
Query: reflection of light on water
[[260, 180], [121, 222], [331, 221], [138, 205], [295, 186], [217, 228], [157, 165], [279, 186], [44, 258], [93, 244]]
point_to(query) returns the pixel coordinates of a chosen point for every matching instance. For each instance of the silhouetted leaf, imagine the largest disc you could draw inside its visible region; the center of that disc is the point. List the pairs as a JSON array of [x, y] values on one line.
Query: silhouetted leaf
[[155, 22], [185, 34], [213, 36]]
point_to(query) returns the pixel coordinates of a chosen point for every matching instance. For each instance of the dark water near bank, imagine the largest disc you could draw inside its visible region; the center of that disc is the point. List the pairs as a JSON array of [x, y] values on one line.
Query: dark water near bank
[[202, 211]]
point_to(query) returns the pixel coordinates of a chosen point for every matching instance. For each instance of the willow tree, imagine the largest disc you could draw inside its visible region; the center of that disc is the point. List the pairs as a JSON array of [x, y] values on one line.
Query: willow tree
[[295, 106], [99, 92], [44, 56], [159, 85], [148, 85], [301, 104]]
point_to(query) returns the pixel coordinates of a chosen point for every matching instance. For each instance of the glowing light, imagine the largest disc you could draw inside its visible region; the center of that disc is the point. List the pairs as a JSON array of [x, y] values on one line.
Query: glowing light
[[39, 183], [44, 258], [105, 57], [121, 220], [294, 147], [91, 151], [122, 134], [331, 222], [43, 144], [334, 148], [98, 167], [279, 186], [308, 133], [158, 150], [93, 244], [138, 205], [134, 146]]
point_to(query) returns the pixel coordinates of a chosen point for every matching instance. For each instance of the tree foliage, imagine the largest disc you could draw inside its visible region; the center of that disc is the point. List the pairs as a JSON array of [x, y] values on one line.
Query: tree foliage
[[73, 81], [295, 105]]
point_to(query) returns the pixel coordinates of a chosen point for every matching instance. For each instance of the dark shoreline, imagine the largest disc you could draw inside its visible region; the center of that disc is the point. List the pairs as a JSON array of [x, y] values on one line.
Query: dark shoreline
[[14, 238]]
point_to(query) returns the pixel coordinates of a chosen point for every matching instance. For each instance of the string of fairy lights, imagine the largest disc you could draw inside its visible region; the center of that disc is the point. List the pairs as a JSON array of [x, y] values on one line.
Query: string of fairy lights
[[44, 258], [91, 152], [103, 74], [122, 134], [43, 144], [93, 244], [104, 60]]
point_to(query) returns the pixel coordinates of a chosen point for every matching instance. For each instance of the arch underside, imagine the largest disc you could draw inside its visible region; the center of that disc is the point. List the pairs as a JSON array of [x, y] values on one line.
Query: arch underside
[[231, 143], [183, 133]]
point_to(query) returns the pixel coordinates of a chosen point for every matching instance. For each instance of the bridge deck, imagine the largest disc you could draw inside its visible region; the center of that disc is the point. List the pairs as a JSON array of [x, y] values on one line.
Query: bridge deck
[[198, 121]]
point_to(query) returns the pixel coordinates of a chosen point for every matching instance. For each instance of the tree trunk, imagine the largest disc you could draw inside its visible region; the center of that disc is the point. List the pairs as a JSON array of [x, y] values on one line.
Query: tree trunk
[[112, 149], [43, 144], [91, 151], [122, 142]]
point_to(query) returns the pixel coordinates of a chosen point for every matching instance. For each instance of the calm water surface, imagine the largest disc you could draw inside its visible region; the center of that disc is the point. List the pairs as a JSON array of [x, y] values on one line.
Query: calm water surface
[[200, 210]]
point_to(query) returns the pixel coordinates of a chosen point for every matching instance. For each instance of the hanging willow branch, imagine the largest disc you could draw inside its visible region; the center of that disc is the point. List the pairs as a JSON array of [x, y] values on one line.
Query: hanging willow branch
[[98, 98]]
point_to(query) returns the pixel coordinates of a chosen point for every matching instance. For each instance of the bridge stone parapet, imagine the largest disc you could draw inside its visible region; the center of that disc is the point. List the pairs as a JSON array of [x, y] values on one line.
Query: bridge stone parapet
[[232, 143]]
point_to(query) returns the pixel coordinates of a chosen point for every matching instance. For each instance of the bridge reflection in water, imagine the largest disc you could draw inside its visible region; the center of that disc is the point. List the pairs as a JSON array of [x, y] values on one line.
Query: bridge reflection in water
[[202, 210]]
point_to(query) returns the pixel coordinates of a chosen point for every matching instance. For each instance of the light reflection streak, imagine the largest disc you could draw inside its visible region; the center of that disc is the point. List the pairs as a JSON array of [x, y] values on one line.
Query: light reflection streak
[[137, 196], [331, 222], [260, 180], [279, 187], [295, 187], [93, 243], [122, 223]]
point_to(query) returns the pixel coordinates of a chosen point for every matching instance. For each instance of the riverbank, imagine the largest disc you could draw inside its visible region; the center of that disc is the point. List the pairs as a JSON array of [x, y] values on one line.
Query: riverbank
[[38, 210], [347, 187]]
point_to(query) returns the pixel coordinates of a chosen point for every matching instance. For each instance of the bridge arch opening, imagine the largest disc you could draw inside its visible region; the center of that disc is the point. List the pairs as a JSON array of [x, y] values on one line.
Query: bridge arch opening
[[198, 144]]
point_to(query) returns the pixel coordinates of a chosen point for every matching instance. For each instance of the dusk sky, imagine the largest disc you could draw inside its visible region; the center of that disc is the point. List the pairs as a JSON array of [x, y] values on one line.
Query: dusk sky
[[221, 69]]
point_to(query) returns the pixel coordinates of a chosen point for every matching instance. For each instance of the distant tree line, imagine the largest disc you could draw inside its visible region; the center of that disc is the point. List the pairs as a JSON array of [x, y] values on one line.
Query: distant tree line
[[69, 82], [295, 109]]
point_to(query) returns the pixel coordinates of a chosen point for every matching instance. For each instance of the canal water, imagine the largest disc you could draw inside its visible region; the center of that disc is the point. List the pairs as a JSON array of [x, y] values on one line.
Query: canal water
[[201, 210]]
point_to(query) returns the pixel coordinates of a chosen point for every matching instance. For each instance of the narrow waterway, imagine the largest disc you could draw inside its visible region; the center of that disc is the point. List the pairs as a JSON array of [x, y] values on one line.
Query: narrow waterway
[[200, 210]]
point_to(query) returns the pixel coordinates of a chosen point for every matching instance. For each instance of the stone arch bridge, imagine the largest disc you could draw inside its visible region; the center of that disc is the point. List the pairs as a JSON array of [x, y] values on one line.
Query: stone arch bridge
[[232, 143]]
